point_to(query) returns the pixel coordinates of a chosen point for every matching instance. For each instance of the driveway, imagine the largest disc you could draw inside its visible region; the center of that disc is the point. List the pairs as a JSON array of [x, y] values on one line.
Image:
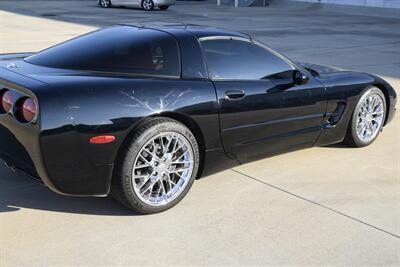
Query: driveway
[[321, 206]]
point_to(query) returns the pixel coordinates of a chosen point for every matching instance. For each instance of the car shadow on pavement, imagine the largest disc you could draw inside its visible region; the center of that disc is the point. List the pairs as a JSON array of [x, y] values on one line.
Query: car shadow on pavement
[[339, 145], [19, 192]]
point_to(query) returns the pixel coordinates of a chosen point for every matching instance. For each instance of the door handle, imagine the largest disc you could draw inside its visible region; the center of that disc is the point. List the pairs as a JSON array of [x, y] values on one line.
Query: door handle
[[235, 94]]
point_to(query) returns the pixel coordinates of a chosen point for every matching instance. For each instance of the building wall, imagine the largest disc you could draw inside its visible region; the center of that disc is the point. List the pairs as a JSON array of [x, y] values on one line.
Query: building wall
[[374, 3]]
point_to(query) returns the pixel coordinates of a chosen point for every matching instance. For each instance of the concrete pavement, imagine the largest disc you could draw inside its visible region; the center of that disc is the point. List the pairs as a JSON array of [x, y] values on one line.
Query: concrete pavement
[[322, 206]]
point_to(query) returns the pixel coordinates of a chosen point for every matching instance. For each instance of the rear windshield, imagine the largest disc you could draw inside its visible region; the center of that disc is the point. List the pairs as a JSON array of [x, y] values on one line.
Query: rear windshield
[[121, 49]]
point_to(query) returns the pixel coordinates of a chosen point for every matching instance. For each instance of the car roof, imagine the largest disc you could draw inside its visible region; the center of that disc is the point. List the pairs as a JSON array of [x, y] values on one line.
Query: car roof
[[197, 30]]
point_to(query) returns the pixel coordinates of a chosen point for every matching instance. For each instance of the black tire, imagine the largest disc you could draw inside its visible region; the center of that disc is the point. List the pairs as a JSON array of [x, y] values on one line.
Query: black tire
[[105, 3], [123, 186], [147, 5], [163, 7], [352, 139]]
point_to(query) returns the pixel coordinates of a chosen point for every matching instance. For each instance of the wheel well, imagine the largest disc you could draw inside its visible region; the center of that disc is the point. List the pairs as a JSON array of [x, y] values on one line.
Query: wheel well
[[385, 92], [185, 120], [193, 127]]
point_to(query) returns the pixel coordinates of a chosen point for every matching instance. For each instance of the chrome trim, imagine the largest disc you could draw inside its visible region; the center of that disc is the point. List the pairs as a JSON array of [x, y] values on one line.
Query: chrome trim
[[223, 37]]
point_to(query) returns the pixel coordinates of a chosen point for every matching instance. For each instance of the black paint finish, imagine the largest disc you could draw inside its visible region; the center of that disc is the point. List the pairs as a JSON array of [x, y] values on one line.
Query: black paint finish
[[267, 120], [234, 121]]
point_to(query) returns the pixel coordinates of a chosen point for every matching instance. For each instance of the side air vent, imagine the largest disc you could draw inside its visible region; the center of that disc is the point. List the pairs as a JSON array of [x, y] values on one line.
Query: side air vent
[[332, 118]]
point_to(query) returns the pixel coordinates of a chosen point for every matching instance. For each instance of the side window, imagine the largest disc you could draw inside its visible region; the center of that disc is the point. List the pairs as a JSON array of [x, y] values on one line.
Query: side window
[[116, 49], [242, 60]]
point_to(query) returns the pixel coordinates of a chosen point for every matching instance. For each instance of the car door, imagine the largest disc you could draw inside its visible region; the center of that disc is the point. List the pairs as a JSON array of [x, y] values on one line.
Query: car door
[[129, 3], [262, 111], [118, 2]]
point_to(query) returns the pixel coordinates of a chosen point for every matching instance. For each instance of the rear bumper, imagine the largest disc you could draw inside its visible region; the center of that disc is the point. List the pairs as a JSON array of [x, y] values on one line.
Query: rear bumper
[[18, 170], [20, 150], [19, 146], [50, 156]]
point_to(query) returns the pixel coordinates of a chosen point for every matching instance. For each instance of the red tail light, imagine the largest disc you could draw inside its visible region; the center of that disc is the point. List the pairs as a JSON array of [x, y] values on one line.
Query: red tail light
[[28, 110], [6, 101]]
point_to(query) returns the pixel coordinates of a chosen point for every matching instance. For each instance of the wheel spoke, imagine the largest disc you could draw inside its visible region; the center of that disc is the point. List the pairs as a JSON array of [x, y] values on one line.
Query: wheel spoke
[[184, 153], [159, 189], [169, 182], [182, 162], [161, 143], [145, 176], [176, 150], [163, 192], [168, 144], [372, 103], [149, 152], [145, 160], [149, 186], [143, 166], [179, 169]]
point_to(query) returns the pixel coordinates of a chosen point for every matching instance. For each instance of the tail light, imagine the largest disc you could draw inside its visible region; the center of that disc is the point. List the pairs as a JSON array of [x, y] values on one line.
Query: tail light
[[26, 110], [6, 101]]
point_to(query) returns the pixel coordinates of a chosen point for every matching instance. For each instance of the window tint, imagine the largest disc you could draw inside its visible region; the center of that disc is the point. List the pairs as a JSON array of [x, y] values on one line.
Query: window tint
[[235, 59], [116, 49]]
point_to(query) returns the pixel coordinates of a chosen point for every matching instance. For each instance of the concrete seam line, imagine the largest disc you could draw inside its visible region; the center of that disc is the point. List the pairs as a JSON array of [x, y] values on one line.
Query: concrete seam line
[[316, 203]]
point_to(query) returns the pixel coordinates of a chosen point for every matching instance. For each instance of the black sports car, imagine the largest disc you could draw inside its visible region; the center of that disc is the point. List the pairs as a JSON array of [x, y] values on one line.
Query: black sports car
[[141, 111]]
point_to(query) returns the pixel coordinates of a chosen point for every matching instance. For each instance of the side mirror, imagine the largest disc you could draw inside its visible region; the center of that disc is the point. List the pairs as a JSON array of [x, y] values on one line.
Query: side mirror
[[300, 78]]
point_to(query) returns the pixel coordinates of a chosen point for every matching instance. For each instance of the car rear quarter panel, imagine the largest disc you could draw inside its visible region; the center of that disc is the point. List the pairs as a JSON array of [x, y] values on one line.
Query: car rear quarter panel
[[93, 106]]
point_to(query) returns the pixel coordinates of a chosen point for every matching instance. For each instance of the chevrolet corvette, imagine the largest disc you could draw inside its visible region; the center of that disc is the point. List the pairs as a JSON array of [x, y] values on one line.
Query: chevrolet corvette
[[141, 111]]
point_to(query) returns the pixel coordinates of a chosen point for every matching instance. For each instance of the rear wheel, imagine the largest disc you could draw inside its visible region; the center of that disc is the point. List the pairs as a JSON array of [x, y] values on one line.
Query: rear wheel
[[163, 7], [367, 119], [105, 3], [148, 5], [158, 167]]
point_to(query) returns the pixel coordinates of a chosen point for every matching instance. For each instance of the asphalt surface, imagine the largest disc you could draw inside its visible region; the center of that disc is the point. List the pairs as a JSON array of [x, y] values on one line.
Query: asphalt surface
[[322, 206]]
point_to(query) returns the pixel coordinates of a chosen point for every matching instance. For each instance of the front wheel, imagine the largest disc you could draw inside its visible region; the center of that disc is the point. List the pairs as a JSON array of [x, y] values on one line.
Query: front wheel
[[367, 119], [163, 7], [158, 167], [148, 5], [105, 3]]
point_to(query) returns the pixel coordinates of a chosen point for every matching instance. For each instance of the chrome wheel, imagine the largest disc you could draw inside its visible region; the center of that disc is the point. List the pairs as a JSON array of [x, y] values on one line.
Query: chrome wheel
[[162, 168], [370, 117], [147, 4]]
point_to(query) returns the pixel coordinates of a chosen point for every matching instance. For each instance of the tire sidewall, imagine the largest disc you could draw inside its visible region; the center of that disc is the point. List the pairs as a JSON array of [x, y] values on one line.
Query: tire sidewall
[[134, 149], [367, 92]]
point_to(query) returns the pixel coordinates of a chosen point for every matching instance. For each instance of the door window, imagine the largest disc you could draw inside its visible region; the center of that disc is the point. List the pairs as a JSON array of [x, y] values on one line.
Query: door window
[[230, 59]]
